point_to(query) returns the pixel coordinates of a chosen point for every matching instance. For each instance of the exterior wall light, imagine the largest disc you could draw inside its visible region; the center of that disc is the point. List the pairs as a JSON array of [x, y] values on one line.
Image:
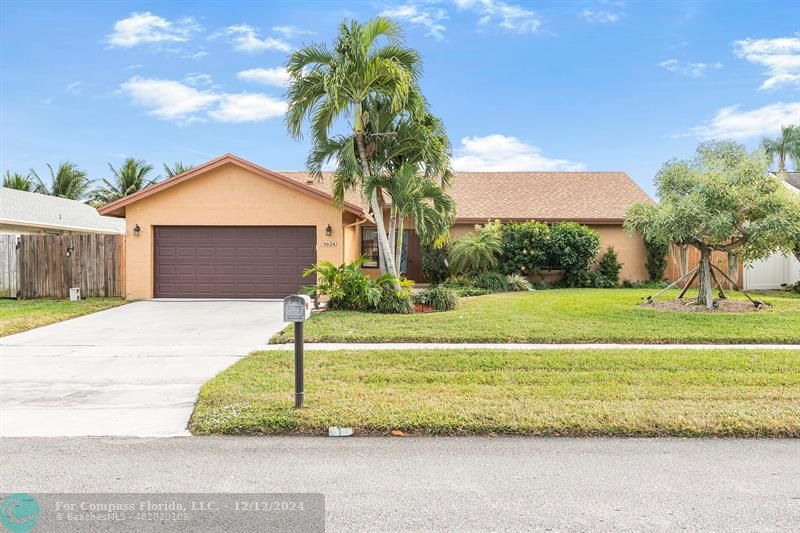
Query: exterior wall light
[[136, 230], [328, 231]]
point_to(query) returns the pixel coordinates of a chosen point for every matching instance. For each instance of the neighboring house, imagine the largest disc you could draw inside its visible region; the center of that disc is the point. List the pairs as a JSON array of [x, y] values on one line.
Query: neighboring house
[[29, 213], [229, 228], [777, 270]]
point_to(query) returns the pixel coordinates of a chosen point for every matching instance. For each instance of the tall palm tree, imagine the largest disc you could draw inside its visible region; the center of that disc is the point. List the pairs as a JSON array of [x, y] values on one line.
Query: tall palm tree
[[19, 182], [787, 145], [177, 168], [131, 177], [68, 181], [326, 85], [415, 197]]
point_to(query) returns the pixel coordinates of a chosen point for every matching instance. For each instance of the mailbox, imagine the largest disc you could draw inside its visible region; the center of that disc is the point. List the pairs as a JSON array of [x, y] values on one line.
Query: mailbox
[[296, 308]]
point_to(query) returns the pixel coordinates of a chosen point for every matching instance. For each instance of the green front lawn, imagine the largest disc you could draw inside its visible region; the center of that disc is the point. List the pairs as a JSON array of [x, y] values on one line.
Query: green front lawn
[[743, 393], [22, 315], [565, 315]]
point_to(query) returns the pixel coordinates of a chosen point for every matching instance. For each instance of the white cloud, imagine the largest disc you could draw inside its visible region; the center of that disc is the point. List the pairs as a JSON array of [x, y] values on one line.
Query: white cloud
[[168, 99], [781, 56], [504, 153], [277, 76], [291, 31], [198, 79], [731, 123], [507, 16], [693, 70], [244, 38], [75, 88], [429, 18], [146, 27], [181, 103], [600, 17], [246, 107]]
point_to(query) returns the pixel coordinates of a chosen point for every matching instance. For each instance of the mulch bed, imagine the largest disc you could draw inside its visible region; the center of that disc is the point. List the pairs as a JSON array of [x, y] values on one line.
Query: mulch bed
[[420, 308], [723, 306]]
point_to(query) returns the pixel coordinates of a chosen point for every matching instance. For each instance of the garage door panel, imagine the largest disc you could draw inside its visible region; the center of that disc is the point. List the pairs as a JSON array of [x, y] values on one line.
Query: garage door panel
[[232, 261]]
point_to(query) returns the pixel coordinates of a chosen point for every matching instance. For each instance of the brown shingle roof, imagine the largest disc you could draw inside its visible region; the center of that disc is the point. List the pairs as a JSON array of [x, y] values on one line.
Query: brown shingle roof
[[793, 179], [547, 196]]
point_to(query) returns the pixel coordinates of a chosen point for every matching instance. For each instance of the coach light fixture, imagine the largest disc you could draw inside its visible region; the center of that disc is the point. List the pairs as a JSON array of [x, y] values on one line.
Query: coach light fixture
[[136, 230], [328, 231]]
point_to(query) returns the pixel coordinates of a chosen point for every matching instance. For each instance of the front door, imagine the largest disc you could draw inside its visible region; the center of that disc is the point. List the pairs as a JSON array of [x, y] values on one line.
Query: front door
[[412, 250]]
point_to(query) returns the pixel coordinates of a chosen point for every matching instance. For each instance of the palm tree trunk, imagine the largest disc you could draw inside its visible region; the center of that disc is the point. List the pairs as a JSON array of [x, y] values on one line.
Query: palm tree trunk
[[399, 245], [782, 161], [384, 251], [393, 233], [704, 295]]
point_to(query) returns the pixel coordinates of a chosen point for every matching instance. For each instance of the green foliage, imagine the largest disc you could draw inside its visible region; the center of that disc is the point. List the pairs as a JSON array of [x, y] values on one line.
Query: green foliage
[[67, 181], [393, 300], [652, 284], [128, 179], [434, 262], [525, 247], [19, 182], [656, 263], [177, 168], [478, 252], [440, 298], [785, 146], [491, 281], [606, 276], [572, 247], [346, 285], [541, 285], [516, 283], [794, 287]]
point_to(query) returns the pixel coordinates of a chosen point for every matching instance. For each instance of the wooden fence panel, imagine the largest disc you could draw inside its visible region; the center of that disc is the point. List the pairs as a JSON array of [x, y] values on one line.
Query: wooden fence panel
[[717, 258], [8, 266], [49, 265]]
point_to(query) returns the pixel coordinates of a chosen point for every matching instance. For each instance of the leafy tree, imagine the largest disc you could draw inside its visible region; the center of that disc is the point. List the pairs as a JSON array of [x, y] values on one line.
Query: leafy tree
[[68, 181], [131, 177], [435, 260], [787, 145], [724, 199], [19, 182], [175, 169], [607, 273], [572, 247], [326, 85]]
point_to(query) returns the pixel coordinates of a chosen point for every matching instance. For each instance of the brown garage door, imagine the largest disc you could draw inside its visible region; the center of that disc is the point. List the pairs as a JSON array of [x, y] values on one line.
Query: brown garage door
[[232, 261]]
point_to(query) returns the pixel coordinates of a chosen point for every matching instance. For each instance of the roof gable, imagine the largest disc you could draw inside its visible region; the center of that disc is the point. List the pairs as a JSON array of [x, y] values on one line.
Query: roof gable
[[117, 208]]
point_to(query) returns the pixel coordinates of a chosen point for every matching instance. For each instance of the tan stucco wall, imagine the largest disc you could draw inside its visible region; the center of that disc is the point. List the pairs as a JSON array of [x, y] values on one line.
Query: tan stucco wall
[[226, 196]]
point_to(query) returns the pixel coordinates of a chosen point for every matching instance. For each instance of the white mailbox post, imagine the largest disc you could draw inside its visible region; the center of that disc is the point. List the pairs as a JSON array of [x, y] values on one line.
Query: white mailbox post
[[297, 309]]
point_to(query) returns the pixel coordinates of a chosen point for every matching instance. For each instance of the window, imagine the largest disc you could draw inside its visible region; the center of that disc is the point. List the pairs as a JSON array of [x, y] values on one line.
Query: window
[[369, 246]]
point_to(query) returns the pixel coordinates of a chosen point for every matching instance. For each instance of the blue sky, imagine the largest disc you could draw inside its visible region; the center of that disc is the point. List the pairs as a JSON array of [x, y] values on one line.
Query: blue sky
[[596, 85]]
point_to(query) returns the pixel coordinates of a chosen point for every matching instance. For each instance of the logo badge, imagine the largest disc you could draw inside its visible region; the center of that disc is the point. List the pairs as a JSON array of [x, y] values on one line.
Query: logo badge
[[19, 512]]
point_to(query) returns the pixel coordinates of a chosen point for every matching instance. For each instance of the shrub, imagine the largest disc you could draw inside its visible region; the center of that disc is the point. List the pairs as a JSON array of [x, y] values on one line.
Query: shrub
[[466, 292], [434, 262], [541, 286], [656, 263], [458, 281], [607, 273], [391, 300], [515, 282], [793, 287], [476, 253], [524, 247], [572, 247], [346, 285], [491, 281], [440, 298]]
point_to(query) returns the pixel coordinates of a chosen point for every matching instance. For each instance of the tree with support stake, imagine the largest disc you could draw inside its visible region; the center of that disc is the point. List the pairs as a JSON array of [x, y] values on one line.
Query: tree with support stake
[[722, 200]]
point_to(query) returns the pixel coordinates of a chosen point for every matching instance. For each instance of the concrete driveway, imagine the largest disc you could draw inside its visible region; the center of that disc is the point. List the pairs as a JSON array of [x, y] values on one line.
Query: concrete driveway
[[134, 370]]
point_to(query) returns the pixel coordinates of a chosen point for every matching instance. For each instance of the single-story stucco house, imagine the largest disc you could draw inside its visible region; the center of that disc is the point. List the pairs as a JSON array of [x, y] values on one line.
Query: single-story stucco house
[[230, 228], [30, 213]]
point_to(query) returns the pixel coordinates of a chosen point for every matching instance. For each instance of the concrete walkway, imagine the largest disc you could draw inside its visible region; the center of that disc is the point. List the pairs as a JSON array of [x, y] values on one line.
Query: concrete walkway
[[132, 370], [333, 346]]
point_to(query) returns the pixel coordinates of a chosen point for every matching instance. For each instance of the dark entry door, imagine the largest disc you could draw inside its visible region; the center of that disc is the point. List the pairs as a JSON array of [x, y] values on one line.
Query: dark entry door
[[413, 262], [232, 261]]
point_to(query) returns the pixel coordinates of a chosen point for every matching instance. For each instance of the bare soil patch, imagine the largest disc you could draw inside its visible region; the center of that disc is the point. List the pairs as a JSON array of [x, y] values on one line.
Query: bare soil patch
[[721, 306]]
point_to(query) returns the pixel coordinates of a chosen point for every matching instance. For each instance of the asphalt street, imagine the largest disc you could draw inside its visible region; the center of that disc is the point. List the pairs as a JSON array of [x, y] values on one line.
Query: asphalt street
[[446, 484]]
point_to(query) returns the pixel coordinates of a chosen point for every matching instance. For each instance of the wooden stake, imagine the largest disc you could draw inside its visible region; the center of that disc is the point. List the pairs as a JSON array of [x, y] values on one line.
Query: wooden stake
[[696, 272], [719, 285]]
